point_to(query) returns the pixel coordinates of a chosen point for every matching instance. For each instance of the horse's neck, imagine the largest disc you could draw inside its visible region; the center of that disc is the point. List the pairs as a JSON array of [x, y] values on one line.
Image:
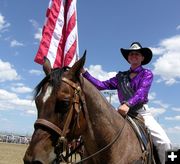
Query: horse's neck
[[103, 121], [97, 105], [105, 127], [103, 118]]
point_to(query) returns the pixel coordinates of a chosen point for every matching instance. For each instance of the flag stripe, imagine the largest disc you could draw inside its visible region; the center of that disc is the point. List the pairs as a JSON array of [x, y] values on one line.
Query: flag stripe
[[71, 37], [59, 41], [48, 32], [55, 50], [69, 57]]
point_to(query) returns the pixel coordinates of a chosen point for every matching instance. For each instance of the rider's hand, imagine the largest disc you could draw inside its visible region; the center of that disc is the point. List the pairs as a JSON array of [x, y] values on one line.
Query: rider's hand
[[123, 109], [83, 70]]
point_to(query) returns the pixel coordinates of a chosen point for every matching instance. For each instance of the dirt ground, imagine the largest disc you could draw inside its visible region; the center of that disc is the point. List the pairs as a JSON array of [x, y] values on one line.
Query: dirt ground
[[12, 153]]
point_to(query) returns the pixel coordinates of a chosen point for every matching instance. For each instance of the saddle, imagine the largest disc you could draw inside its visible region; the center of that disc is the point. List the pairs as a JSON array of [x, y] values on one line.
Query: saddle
[[144, 137]]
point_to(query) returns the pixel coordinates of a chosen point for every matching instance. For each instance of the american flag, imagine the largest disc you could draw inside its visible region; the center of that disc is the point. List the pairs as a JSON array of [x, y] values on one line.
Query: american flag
[[59, 41]]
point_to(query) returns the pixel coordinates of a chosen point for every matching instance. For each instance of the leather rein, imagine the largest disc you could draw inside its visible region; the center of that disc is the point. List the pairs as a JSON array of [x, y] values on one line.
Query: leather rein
[[63, 132]]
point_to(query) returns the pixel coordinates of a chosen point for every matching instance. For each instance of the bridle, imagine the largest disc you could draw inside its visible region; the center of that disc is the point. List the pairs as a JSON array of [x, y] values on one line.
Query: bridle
[[62, 133], [78, 104]]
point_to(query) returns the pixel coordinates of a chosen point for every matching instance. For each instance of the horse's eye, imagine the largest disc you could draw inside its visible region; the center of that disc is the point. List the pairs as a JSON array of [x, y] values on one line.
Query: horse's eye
[[62, 106], [65, 104]]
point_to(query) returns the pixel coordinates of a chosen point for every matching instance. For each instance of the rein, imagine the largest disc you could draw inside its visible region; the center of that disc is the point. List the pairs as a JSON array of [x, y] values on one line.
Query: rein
[[62, 133], [105, 147], [108, 145]]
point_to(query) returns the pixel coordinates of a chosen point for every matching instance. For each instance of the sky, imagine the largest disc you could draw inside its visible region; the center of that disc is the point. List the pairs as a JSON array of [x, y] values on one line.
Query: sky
[[103, 28]]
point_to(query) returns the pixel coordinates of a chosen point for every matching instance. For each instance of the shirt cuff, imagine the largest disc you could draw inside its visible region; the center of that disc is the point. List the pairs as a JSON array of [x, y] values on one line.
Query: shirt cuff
[[85, 74]]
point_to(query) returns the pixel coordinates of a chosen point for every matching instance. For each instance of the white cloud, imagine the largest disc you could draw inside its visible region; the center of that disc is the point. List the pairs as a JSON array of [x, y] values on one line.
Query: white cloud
[[36, 72], [178, 27], [157, 107], [38, 34], [15, 43], [99, 73], [158, 50], [3, 24], [175, 118], [11, 101], [175, 129], [38, 30], [167, 65], [31, 112], [7, 72], [34, 23], [160, 103], [5, 95], [152, 96], [174, 134], [21, 89], [157, 111], [176, 109]]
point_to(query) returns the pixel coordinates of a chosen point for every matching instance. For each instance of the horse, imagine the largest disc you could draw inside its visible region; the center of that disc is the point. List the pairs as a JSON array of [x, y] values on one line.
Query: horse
[[69, 106]]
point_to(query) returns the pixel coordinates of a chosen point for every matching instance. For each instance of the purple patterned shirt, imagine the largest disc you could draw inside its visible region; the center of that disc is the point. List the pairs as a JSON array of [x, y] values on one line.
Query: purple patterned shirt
[[141, 84]]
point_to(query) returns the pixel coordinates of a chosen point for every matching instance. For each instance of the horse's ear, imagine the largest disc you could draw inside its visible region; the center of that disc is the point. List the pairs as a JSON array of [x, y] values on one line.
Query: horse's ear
[[77, 67], [47, 66]]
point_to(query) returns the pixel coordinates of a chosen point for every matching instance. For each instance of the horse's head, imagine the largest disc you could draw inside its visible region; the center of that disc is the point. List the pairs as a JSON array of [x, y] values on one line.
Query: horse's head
[[60, 116]]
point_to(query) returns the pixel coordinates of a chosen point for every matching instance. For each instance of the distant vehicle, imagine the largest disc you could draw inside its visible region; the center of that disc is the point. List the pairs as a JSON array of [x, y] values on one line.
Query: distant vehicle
[[9, 138], [23, 140], [18, 139]]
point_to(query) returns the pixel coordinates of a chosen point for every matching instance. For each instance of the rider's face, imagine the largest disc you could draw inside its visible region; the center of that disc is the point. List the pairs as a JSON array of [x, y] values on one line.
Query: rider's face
[[135, 58]]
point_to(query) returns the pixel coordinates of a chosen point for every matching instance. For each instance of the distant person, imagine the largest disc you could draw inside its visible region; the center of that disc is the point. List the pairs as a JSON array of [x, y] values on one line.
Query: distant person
[[133, 87]]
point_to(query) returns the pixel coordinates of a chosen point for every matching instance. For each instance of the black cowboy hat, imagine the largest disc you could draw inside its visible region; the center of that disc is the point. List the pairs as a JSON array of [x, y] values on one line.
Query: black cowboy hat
[[136, 46]]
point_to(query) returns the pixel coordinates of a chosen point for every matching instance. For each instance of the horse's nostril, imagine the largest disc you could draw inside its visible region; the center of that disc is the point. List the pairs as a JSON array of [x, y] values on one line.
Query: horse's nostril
[[33, 162], [37, 162]]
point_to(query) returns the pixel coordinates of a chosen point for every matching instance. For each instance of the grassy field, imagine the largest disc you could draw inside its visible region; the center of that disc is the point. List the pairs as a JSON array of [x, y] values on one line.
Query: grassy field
[[12, 153]]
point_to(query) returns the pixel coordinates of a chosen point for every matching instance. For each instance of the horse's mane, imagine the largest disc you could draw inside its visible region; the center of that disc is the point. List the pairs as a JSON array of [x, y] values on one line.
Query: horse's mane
[[54, 78]]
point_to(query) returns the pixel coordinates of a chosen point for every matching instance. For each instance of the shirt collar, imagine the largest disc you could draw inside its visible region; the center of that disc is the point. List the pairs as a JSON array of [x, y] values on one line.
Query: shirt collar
[[136, 70]]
